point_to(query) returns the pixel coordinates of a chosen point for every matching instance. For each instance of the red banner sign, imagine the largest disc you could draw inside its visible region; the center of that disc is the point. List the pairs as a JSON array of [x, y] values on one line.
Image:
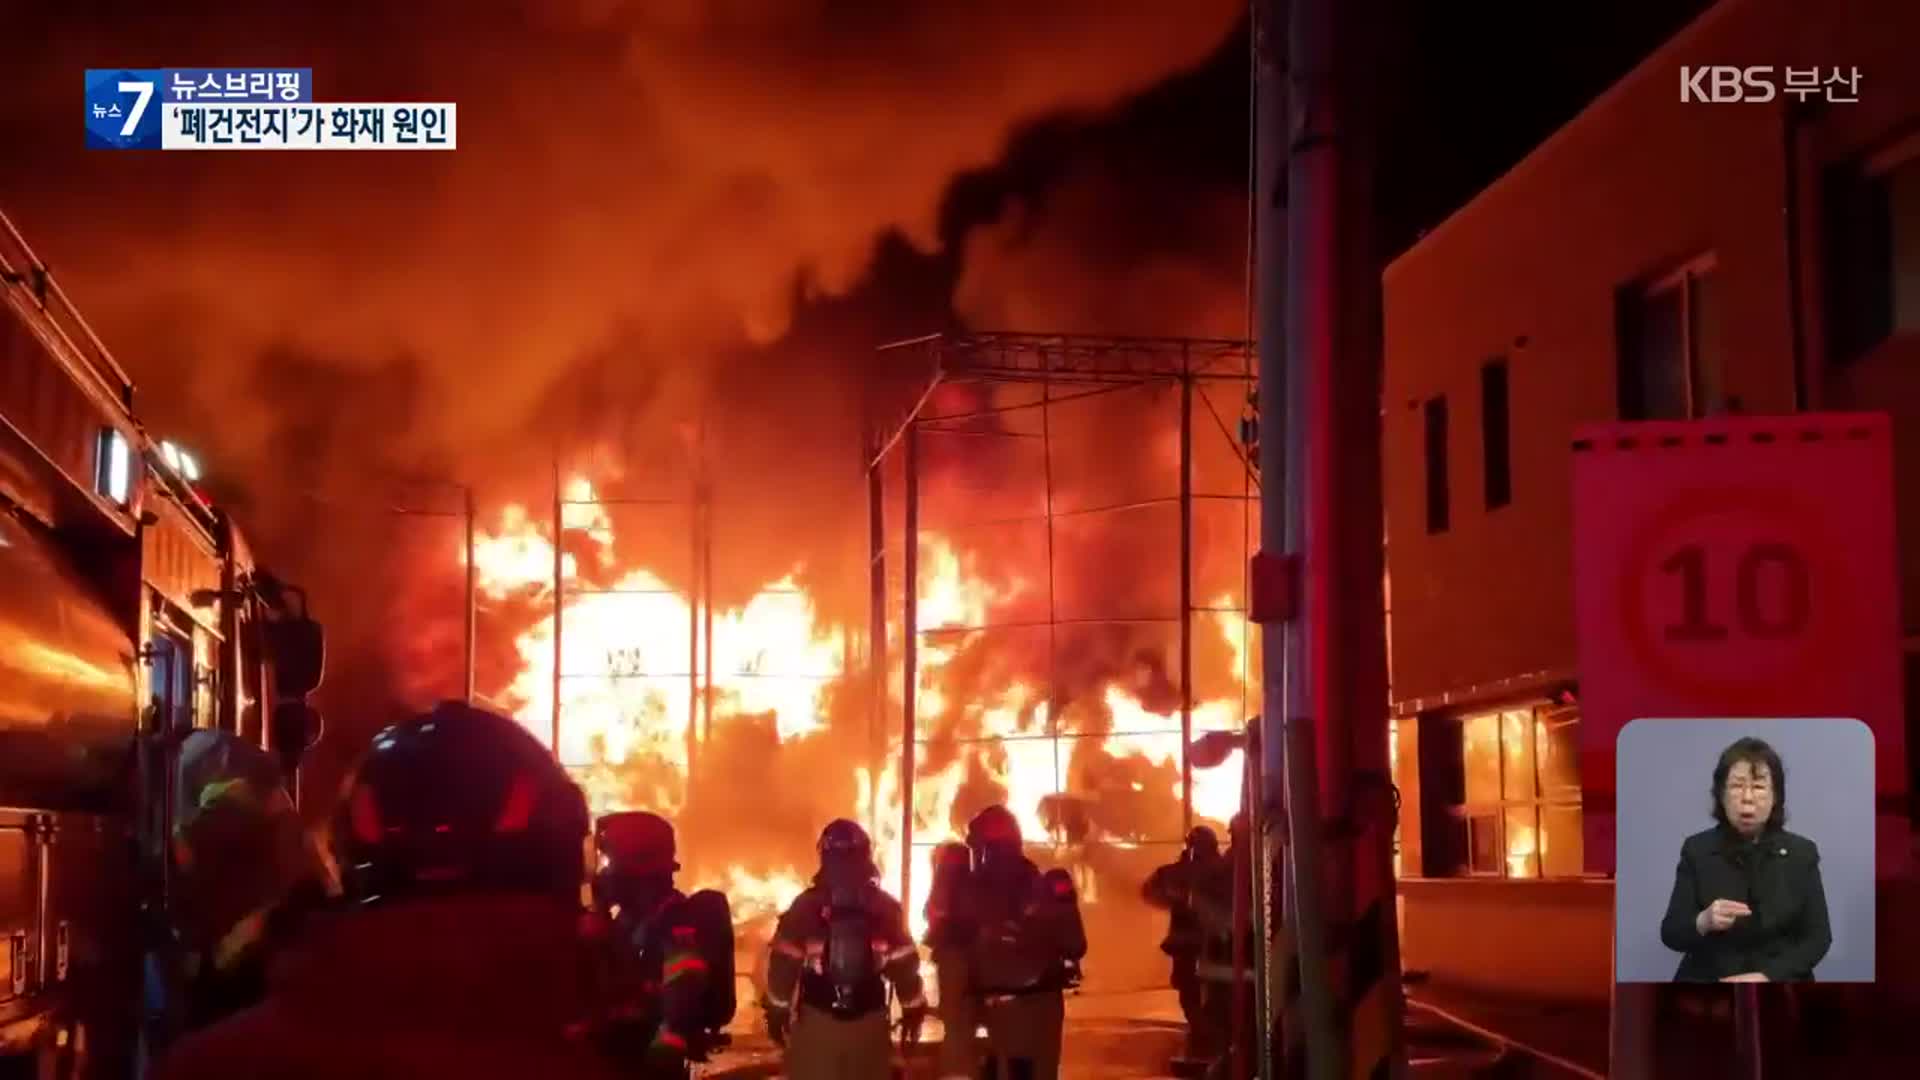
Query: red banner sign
[[1738, 567]]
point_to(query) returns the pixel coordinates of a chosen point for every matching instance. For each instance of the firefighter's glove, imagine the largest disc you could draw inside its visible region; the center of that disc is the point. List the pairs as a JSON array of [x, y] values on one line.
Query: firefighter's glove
[[911, 1021], [778, 1021]]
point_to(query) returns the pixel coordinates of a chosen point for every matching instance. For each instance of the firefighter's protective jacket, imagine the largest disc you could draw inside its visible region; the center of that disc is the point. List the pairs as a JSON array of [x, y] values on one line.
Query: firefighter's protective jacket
[[1214, 915], [797, 964], [1173, 888], [1027, 933], [656, 977], [475, 987]]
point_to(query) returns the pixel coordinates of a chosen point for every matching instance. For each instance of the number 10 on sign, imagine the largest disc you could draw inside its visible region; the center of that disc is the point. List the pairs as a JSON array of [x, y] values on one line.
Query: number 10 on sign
[[1757, 567]]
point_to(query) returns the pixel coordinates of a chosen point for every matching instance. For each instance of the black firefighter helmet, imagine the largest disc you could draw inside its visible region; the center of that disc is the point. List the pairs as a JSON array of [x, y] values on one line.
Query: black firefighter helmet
[[636, 842], [637, 852], [1202, 843], [844, 844], [993, 834], [460, 800]]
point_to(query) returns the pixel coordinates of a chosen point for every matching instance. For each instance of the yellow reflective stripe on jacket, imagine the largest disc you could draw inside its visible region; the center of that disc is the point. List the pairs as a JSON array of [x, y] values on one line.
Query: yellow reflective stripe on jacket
[[683, 964]]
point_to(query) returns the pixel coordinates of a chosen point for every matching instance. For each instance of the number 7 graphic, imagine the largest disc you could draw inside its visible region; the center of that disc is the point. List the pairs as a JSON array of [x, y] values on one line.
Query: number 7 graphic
[[143, 92]]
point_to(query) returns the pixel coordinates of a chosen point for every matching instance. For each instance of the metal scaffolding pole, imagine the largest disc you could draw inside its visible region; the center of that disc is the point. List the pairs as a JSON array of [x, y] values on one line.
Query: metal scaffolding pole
[[706, 607], [910, 641], [473, 596], [1186, 601], [559, 608], [876, 629], [694, 600], [1053, 613]]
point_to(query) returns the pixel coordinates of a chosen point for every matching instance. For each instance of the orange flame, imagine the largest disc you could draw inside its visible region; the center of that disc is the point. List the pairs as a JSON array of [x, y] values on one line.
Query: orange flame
[[627, 706]]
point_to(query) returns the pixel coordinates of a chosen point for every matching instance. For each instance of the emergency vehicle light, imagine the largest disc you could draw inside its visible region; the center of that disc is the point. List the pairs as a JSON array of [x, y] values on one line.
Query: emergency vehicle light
[[181, 462]]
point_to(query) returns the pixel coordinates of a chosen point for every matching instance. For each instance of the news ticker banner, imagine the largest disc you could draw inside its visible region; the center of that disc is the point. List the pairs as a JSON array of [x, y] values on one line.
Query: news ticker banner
[[248, 109]]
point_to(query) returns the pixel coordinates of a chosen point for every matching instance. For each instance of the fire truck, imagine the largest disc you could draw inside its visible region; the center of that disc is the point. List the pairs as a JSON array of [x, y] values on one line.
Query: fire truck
[[132, 614]]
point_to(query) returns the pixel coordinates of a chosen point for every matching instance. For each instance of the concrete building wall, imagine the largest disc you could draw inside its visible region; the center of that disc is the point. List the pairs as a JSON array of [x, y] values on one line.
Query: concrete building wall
[[1882, 36], [1531, 272], [1636, 185]]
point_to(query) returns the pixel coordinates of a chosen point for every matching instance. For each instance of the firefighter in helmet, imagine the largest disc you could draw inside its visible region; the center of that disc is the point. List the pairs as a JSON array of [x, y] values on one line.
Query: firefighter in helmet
[[665, 959], [949, 938], [1173, 888], [462, 845], [1028, 941], [836, 949], [1223, 987]]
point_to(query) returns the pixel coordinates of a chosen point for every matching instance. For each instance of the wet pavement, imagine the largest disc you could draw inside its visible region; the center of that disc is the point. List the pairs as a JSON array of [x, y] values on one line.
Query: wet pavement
[[1557, 1039], [1126, 1037], [1136, 1036]]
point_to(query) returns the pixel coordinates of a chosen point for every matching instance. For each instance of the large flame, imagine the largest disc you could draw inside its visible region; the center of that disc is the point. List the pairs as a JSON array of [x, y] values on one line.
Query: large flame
[[630, 711]]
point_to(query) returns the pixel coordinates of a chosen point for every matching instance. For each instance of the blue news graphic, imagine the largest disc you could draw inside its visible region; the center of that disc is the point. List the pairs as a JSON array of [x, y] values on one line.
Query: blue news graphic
[[200, 86], [123, 109]]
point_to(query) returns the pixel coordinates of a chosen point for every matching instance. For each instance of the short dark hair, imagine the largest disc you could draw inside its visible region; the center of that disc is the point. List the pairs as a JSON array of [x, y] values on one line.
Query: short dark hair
[[1755, 752]]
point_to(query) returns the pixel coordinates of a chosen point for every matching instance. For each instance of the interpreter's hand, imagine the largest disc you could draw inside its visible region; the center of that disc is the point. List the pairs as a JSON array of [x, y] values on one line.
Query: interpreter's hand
[[1751, 976], [1719, 915]]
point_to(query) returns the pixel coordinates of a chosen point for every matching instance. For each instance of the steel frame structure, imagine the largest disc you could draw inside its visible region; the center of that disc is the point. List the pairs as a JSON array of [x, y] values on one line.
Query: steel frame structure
[[1084, 366], [699, 674], [702, 680]]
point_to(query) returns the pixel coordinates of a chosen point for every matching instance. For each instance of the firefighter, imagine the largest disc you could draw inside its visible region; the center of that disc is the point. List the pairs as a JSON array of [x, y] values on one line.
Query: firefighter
[[835, 951], [665, 959], [1172, 888], [949, 937], [462, 847], [1027, 945], [1215, 917]]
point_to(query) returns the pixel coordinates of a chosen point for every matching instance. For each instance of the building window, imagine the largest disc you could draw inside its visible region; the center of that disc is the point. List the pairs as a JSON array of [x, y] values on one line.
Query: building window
[[1521, 797], [1670, 346], [1873, 250], [1393, 770], [1495, 426], [1437, 508], [113, 466]]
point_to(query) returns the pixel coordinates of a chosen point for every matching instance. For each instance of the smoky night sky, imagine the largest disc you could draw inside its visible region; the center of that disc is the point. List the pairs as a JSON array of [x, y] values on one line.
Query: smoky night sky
[[664, 206]]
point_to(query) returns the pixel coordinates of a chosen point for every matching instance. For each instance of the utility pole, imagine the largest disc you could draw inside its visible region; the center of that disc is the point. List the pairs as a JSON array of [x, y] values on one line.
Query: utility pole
[[1298, 173], [1319, 580], [1267, 800]]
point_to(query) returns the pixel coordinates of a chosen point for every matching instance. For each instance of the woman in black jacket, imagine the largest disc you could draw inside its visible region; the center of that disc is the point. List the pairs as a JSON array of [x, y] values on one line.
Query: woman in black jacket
[[1747, 903]]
